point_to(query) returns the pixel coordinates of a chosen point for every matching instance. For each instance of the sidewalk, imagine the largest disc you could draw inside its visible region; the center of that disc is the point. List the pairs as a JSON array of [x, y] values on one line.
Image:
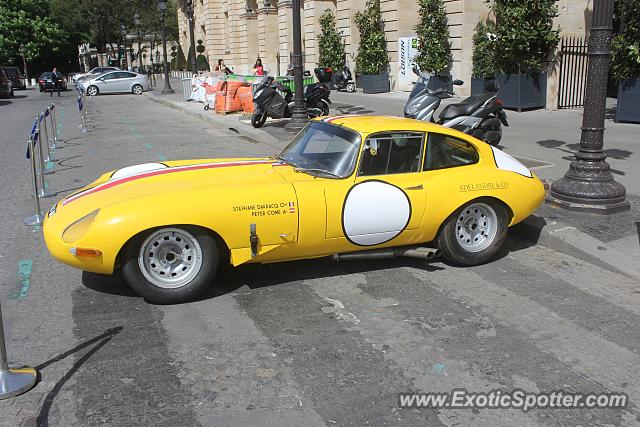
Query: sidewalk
[[544, 140]]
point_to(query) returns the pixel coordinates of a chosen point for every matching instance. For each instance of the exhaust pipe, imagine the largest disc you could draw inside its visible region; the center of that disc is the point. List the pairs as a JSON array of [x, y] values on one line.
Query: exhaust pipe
[[412, 252]]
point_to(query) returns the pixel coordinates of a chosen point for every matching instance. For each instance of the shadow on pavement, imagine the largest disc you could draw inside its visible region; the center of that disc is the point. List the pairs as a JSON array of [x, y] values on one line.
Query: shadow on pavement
[[4, 102], [101, 340]]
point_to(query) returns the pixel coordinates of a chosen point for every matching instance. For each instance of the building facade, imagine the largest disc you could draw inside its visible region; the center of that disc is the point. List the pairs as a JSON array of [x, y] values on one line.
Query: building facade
[[239, 31]]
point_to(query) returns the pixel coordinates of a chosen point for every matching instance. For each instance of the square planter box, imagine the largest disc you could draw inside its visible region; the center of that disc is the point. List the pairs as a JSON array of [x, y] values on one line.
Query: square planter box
[[478, 85], [376, 83], [628, 109], [523, 91]]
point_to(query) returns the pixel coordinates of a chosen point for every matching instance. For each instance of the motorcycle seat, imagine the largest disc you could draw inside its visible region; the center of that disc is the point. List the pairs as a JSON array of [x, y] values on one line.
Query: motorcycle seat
[[465, 107]]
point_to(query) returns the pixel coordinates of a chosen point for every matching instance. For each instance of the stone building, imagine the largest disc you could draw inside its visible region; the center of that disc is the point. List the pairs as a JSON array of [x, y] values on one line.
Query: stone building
[[242, 30]]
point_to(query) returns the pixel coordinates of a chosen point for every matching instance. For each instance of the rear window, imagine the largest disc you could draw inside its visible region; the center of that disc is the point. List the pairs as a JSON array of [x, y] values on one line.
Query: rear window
[[11, 71], [46, 74]]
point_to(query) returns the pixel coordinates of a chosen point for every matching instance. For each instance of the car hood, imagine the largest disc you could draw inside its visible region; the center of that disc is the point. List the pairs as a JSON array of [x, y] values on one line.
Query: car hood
[[155, 178]]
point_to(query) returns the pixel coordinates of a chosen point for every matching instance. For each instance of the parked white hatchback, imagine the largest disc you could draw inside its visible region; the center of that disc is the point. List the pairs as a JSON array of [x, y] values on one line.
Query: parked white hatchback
[[116, 82]]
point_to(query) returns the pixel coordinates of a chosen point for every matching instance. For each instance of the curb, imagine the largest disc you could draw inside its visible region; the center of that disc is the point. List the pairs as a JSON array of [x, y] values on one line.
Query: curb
[[571, 241], [247, 131]]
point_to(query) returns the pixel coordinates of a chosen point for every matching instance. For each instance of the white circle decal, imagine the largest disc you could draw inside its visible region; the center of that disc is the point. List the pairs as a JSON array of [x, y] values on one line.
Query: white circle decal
[[375, 212]]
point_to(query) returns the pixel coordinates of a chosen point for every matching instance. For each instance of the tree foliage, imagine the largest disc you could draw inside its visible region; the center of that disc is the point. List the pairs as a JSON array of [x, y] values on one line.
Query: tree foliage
[[484, 51], [372, 55], [27, 23], [525, 36], [330, 42], [625, 60], [434, 48]]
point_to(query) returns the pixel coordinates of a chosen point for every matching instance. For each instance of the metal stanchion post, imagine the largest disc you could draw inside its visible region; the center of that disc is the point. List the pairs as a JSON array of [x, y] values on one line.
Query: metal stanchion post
[[13, 381], [45, 119], [53, 125], [80, 109], [43, 143], [36, 219]]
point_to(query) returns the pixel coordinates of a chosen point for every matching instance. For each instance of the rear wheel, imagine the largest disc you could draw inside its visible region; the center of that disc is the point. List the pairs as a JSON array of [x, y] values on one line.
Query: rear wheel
[[92, 90], [324, 106], [171, 265], [475, 233], [258, 118], [137, 89]]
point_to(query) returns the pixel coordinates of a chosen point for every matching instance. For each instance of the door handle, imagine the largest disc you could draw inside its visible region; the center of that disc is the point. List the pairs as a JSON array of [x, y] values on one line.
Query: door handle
[[415, 187]]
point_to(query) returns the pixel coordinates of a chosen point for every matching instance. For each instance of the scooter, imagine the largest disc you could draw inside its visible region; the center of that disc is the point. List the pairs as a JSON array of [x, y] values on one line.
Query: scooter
[[273, 99], [478, 115], [344, 80]]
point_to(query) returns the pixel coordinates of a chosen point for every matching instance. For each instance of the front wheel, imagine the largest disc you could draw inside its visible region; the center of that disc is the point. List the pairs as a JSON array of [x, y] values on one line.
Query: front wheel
[[351, 87], [258, 118], [137, 90], [475, 233], [92, 90], [170, 265]]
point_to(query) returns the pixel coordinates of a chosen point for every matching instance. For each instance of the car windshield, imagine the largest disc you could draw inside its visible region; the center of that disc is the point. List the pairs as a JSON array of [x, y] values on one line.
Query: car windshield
[[323, 149]]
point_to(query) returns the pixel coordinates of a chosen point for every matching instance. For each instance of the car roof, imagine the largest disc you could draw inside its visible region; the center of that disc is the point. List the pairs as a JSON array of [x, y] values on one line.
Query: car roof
[[370, 124]]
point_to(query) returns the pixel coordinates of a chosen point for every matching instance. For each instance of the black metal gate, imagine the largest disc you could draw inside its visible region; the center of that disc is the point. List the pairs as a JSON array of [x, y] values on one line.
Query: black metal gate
[[573, 72]]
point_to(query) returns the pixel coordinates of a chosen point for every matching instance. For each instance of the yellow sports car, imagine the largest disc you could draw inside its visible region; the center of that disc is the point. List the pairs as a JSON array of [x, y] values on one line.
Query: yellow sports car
[[347, 186]]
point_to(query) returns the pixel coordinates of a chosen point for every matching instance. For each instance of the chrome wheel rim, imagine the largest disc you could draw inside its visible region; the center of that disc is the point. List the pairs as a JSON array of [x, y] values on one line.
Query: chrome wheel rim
[[476, 227], [92, 91], [137, 90], [170, 258]]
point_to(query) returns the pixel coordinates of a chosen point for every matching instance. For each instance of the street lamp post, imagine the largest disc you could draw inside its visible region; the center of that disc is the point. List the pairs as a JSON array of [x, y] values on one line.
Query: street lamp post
[[588, 185], [299, 114], [162, 7], [123, 29], [194, 68], [137, 22]]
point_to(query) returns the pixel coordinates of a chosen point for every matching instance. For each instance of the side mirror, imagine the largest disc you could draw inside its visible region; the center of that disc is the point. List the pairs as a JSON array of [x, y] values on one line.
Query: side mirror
[[458, 82]]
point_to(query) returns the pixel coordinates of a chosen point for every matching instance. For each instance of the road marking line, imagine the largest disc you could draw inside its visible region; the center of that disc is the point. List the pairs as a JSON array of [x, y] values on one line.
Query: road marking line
[[25, 267]]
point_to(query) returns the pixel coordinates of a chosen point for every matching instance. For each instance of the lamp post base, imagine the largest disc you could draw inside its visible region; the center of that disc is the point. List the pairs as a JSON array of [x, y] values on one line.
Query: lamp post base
[[589, 186], [16, 381]]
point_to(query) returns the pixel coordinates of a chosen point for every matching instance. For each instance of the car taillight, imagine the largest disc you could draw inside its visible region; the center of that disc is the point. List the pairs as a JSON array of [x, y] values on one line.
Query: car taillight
[[498, 103], [40, 81]]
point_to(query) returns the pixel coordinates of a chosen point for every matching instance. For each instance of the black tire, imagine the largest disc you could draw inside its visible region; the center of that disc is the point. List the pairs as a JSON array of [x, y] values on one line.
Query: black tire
[[324, 106], [258, 118], [450, 237], [197, 284]]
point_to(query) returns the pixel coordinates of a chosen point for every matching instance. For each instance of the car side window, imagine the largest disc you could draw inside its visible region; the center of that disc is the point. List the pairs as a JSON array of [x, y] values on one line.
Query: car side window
[[109, 76], [444, 151], [391, 153]]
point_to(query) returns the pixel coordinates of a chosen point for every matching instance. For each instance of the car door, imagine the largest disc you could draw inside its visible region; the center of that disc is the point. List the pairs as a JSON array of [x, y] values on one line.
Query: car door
[[387, 199], [106, 83], [127, 80]]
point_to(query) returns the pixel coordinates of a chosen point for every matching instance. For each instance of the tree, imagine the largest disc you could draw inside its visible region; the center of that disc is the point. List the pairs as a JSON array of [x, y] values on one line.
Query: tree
[[625, 59], [26, 23], [484, 51], [525, 36], [434, 48], [372, 55], [330, 42]]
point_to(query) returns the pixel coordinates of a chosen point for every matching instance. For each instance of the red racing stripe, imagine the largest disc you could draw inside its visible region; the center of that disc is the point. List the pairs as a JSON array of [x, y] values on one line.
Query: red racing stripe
[[116, 182]]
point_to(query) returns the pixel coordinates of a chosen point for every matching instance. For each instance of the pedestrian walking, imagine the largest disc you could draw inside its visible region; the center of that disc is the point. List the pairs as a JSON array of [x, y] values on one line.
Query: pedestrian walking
[[55, 81]]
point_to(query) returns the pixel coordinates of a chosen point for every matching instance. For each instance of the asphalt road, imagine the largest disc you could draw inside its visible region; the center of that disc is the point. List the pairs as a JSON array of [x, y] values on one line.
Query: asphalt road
[[306, 343]]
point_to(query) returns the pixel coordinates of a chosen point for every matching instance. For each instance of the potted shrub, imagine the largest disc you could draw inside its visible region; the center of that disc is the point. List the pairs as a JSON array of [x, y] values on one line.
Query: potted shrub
[[484, 57], [525, 38], [330, 44], [626, 63], [434, 48], [372, 61], [202, 63]]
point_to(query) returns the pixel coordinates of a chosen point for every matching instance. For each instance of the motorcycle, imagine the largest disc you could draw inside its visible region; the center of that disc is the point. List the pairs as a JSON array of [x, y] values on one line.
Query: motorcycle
[[344, 80], [478, 115], [273, 99]]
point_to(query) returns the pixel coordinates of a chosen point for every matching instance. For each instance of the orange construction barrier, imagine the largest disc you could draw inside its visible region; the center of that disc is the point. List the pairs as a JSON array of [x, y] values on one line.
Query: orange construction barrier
[[227, 100], [245, 93]]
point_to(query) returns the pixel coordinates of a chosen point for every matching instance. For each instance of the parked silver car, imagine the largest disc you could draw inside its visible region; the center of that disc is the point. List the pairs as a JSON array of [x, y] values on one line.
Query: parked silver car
[[94, 72], [115, 82]]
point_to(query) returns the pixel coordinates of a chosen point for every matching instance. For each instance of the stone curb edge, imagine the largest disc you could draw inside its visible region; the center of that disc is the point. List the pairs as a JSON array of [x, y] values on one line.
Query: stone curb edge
[[571, 241]]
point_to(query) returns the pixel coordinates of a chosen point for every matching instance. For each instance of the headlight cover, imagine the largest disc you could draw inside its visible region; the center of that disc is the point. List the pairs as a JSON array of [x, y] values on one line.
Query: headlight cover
[[76, 230]]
